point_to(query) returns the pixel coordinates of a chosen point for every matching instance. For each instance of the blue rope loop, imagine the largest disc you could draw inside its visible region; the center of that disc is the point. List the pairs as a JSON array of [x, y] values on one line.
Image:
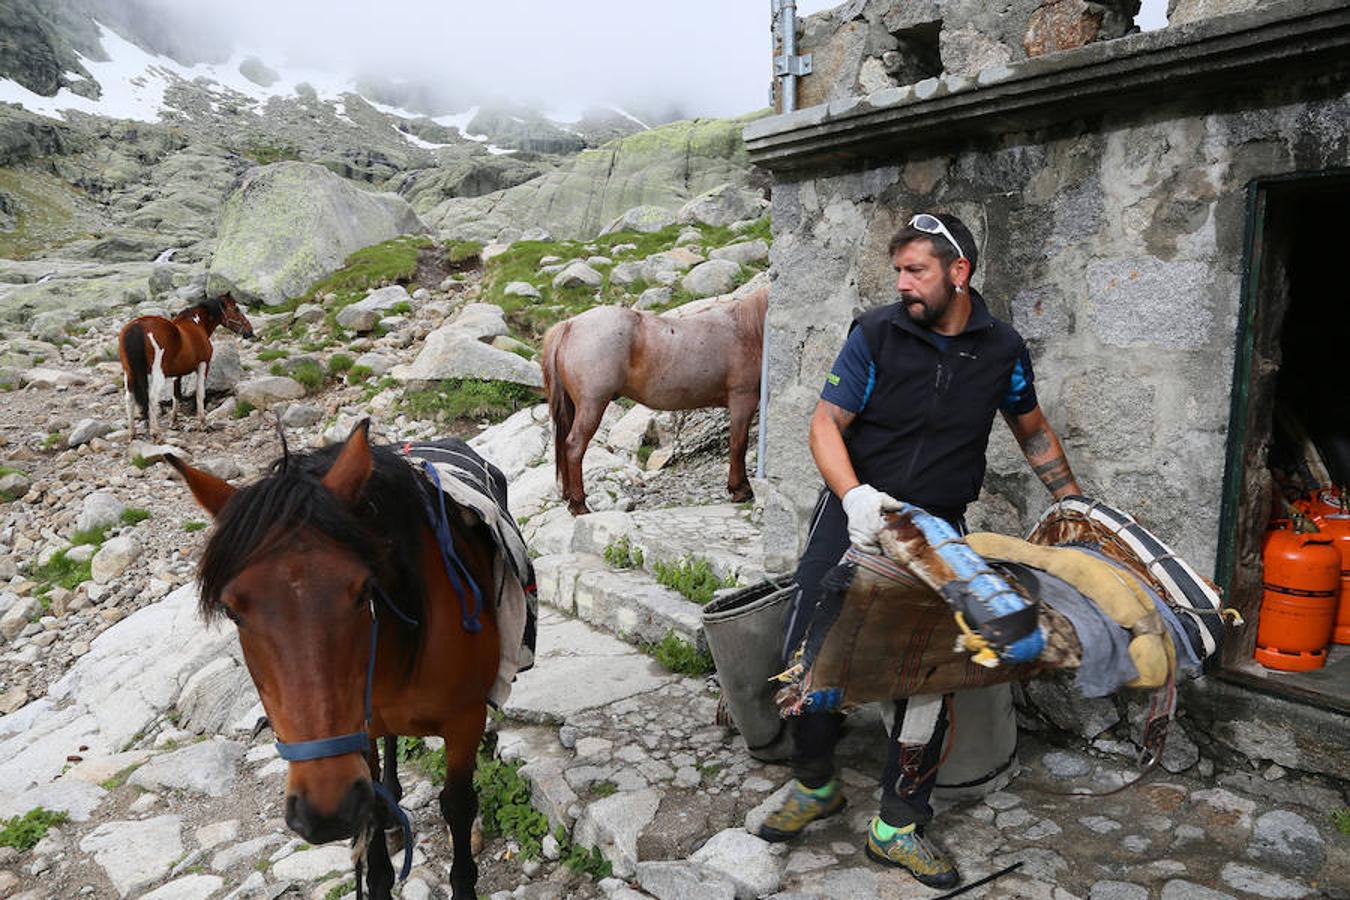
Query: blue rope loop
[[454, 566], [392, 802]]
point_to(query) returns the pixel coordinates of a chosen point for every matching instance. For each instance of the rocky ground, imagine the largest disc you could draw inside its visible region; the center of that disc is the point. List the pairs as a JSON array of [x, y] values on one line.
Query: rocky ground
[[128, 713]]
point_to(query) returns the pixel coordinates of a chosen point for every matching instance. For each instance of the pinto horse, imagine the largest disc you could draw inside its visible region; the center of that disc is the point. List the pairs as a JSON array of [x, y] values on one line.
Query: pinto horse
[[309, 562], [709, 358], [154, 349]]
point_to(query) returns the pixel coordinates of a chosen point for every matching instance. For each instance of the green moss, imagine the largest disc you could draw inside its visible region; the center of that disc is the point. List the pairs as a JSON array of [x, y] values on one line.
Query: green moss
[[604, 788], [1340, 820], [140, 461], [692, 577], [116, 781], [52, 440], [680, 656], [339, 363], [192, 525], [23, 832], [95, 536], [467, 398], [266, 152], [241, 409], [269, 355], [358, 374]]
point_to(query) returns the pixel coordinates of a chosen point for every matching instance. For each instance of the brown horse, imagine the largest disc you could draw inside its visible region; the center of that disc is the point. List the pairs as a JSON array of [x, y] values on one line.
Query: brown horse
[[309, 562], [710, 358], [154, 349]]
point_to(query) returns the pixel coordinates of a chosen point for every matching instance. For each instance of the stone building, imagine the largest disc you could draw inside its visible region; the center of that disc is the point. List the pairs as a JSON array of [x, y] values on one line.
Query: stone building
[[1143, 202]]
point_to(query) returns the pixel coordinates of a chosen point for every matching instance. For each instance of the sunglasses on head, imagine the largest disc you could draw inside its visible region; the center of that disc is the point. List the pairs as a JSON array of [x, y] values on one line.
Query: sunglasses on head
[[933, 225]]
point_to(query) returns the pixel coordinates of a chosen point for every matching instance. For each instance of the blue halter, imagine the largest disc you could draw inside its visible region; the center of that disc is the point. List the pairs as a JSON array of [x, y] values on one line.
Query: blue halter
[[359, 741]]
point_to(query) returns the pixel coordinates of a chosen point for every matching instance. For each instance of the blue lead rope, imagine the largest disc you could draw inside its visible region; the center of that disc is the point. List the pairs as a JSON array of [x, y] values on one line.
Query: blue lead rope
[[454, 566], [359, 741]]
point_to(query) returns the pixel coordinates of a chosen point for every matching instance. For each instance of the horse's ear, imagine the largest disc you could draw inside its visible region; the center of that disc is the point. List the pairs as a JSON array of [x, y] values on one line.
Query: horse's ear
[[352, 467], [210, 492]]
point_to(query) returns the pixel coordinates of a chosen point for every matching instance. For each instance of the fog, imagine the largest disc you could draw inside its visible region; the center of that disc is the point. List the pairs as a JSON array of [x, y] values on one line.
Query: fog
[[663, 60]]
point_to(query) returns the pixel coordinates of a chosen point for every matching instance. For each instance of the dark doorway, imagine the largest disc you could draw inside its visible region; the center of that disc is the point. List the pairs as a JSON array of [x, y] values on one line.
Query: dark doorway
[[1291, 399]]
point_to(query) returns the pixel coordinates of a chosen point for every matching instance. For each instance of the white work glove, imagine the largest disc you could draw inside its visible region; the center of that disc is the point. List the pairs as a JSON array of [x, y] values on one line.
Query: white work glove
[[864, 505]]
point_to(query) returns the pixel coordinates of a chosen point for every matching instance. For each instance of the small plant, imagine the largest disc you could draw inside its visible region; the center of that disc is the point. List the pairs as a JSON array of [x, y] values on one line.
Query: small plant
[[680, 656], [467, 398], [140, 461], [192, 525], [504, 803], [339, 363], [116, 781], [133, 515], [644, 453], [623, 555], [692, 577], [241, 409], [23, 832], [414, 752], [358, 374], [402, 308], [269, 355], [52, 440], [1340, 819], [604, 788], [588, 862]]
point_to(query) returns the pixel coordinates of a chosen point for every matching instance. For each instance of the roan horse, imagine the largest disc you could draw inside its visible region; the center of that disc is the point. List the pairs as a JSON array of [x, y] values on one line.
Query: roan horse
[[710, 358], [309, 562], [154, 349]]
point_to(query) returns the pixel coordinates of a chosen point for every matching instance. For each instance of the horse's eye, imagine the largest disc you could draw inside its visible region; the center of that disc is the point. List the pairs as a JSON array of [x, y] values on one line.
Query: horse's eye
[[230, 613]]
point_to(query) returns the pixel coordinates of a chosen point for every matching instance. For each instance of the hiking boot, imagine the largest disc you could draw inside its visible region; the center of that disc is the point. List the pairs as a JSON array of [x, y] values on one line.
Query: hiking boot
[[801, 808], [910, 851]]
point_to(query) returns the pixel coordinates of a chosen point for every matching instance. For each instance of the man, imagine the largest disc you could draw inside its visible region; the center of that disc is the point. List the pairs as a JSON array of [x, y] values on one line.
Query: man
[[905, 414]]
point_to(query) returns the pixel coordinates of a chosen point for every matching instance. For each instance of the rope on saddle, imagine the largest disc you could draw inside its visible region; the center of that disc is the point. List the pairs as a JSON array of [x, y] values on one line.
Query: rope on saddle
[[454, 566]]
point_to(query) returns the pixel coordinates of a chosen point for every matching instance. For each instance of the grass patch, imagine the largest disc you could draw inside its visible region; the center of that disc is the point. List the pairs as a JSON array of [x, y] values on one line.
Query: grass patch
[[269, 355], [394, 261], [266, 152], [339, 363], [140, 462], [1340, 819], [306, 371], [338, 891], [358, 374], [621, 554], [241, 409], [458, 253], [604, 788], [93, 536], [23, 832], [692, 577], [133, 515], [413, 751], [52, 440], [504, 802], [680, 656], [192, 525], [467, 398], [116, 781]]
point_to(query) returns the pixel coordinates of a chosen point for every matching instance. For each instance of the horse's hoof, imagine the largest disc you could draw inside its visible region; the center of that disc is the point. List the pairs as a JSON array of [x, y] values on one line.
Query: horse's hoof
[[742, 495], [577, 509]]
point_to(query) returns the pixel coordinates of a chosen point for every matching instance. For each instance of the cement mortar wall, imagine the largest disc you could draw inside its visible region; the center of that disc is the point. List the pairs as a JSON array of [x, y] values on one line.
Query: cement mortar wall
[[1114, 246]]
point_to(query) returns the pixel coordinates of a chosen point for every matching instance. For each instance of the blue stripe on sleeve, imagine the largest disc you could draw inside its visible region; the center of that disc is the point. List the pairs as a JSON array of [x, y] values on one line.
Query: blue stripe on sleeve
[[853, 376], [1021, 396]]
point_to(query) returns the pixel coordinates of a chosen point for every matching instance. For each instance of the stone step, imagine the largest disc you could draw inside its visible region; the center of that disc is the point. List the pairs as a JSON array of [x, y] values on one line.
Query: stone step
[[625, 602], [721, 533]]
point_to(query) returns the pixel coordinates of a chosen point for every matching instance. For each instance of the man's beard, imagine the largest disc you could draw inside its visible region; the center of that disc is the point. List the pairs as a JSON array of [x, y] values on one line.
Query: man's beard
[[925, 313]]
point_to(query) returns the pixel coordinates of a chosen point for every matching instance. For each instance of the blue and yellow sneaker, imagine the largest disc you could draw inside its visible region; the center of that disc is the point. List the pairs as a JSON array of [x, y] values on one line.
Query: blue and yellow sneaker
[[906, 849], [802, 807]]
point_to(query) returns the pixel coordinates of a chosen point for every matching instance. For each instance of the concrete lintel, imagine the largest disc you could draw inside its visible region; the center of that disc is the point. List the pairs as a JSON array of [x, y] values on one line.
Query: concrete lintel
[[1272, 44]]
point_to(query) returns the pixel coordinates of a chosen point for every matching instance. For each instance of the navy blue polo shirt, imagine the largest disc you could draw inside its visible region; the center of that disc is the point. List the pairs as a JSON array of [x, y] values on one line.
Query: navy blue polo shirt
[[924, 403]]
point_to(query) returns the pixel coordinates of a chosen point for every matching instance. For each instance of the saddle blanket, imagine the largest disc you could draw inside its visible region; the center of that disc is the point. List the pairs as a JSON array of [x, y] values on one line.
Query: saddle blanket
[[475, 484]]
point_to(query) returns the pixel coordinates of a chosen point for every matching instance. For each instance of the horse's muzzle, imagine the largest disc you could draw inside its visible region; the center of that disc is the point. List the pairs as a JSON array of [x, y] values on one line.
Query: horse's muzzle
[[351, 815]]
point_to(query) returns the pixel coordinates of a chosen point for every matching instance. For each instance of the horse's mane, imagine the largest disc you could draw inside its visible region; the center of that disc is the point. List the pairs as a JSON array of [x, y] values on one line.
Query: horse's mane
[[213, 307], [749, 312], [384, 528]]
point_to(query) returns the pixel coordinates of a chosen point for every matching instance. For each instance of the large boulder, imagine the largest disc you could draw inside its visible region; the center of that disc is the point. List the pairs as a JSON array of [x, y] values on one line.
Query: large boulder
[[662, 167], [290, 224], [365, 313], [450, 353], [722, 205]]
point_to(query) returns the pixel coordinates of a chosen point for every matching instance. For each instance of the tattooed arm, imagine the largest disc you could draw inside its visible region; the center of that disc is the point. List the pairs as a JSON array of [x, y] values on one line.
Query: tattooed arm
[[1041, 447], [827, 446]]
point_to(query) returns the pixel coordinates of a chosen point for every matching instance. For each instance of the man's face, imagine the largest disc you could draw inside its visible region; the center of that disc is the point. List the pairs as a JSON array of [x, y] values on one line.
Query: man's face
[[922, 282]]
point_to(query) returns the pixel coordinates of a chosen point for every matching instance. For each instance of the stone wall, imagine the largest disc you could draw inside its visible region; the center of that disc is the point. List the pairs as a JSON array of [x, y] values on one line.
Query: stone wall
[[1114, 244]]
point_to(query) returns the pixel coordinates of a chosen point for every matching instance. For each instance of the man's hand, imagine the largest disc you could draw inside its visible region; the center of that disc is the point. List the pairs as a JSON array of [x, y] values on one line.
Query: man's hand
[[864, 505]]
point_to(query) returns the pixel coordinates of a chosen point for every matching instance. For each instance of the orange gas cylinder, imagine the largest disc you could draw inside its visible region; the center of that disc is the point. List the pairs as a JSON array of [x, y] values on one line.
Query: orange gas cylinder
[[1298, 607], [1322, 503], [1338, 526]]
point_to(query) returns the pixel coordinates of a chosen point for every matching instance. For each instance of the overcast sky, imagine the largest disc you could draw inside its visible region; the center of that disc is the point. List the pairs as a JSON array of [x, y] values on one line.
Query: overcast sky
[[711, 57]]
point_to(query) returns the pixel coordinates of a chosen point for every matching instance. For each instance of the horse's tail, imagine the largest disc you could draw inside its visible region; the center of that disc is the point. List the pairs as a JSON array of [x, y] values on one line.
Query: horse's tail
[[136, 365], [561, 409]]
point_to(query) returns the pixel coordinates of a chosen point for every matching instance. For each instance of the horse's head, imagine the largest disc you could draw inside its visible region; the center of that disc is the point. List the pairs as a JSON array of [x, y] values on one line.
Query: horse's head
[[233, 318], [288, 563]]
